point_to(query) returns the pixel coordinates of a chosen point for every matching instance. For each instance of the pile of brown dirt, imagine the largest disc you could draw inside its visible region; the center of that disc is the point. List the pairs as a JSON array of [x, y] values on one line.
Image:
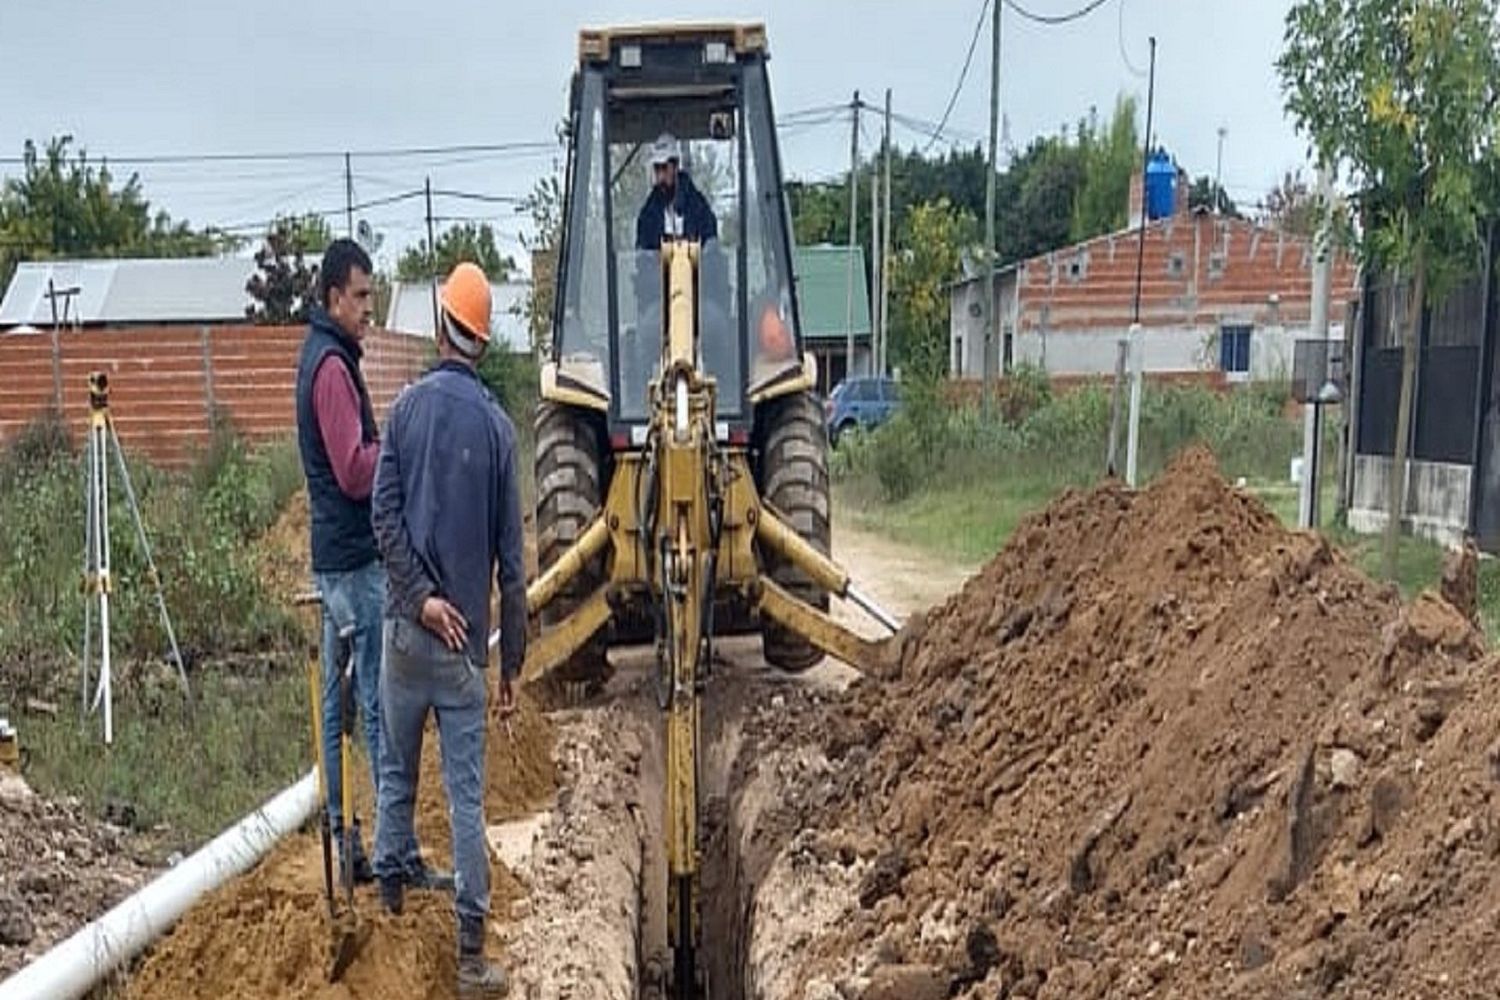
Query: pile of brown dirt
[[1163, 745], [267, 934], [59, 869]]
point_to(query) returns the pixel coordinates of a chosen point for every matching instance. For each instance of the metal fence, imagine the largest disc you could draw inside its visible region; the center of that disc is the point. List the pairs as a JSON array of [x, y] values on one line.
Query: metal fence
[[1447, 382]]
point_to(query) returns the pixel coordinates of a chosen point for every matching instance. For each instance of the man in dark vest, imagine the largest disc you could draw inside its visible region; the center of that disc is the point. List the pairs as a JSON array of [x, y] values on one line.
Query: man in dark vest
[[339, 441]]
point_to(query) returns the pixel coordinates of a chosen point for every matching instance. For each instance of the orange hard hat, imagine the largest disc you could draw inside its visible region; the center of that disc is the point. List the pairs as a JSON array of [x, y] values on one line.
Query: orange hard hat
[[466, 301]]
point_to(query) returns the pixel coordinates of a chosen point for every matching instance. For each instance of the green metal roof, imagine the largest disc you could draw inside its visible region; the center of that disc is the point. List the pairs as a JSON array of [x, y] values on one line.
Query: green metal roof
[[823, 292]]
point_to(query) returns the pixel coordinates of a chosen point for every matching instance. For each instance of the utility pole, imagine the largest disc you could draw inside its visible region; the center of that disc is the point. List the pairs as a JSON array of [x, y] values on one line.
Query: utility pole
[[1218, 173], [349, 196], [1312, 424], [1135, 344], [432, 263], [877, 278], [885, 249], [853, 239], [1145, 163], [991, 166]]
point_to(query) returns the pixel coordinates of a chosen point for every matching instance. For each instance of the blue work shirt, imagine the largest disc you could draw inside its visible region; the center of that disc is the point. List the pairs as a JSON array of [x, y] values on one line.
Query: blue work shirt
[[447, 508]]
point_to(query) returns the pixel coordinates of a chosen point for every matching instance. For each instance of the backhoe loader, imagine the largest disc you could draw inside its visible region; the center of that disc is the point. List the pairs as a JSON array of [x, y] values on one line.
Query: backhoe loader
[[681, 469]]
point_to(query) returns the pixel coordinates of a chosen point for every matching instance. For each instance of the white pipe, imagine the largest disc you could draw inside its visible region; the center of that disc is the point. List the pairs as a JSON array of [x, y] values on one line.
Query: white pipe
[[74, 967]]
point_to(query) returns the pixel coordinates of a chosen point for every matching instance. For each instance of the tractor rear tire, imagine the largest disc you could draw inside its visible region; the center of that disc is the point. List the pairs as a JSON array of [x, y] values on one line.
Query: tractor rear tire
[[570, 485], [793, 478]]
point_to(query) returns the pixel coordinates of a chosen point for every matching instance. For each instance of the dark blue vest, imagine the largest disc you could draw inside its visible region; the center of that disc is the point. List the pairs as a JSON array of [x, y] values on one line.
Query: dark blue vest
[[342, 537]]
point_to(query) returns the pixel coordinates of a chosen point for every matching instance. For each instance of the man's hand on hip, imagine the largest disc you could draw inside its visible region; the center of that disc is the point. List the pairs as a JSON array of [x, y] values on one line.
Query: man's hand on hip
[[446, 622]]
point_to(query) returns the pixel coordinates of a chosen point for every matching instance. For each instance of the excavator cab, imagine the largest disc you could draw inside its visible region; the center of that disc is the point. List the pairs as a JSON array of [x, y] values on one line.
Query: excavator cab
[[700, 97], [705, 93]]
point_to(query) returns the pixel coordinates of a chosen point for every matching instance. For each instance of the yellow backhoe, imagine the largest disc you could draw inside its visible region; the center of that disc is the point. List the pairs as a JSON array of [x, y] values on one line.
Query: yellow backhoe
[[682, 457]]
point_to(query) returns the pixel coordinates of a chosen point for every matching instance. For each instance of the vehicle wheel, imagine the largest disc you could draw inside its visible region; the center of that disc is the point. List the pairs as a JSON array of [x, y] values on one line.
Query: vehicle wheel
[[793, 478], [570, 482]]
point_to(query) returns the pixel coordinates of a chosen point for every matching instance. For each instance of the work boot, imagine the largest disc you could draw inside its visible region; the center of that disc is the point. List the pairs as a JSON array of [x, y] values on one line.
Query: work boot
[[392, 895], [477, 978], [425, 878], [364, 874]]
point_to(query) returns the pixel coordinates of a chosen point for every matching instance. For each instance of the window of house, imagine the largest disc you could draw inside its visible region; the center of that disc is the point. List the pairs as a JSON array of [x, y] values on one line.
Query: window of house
[[1078, 267], [1234, 349]]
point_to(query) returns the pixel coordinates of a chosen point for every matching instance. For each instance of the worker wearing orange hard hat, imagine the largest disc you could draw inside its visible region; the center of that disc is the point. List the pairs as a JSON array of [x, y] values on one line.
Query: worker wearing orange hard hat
[[447, 517]]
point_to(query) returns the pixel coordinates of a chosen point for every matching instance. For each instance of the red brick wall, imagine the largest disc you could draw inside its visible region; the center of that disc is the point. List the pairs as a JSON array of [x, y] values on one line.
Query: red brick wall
[[970, 391], [1257, 263], [164, 381]]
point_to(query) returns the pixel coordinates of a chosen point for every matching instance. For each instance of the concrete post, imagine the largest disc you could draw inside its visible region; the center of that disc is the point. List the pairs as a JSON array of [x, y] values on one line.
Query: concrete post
[[1321, 274], [1137, 372]]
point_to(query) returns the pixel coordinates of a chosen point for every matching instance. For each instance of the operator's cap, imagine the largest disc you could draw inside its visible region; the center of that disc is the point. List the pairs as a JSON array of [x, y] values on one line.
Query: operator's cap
[[664, 150]]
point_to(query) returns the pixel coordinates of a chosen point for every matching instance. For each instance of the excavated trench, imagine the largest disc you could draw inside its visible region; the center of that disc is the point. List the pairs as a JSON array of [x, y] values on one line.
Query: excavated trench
[[595, 916]]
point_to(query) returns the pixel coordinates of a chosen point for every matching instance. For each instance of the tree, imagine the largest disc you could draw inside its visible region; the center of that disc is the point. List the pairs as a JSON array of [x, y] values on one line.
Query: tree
[[284, 286], [309, 233], [1110, 159], [545, 207], [64, 205], [1046, 182], [932, 243], [469, 241], [1292, 207], [1399, 98], [1206, 193]]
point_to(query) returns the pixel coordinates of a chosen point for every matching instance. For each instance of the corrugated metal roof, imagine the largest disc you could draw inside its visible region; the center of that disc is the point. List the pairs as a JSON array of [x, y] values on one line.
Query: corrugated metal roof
[[823, 292], [131, 290], [410, 312]]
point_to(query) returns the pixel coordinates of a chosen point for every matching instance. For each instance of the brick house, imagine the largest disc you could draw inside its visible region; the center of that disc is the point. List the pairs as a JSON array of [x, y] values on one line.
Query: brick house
[[1220, 296]]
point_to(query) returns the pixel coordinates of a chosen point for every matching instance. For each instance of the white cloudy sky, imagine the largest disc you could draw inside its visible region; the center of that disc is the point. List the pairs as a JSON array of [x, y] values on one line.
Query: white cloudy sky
[[148, 77]]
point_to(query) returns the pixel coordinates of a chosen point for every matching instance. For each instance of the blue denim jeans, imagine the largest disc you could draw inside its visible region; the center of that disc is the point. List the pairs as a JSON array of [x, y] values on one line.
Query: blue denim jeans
[[421, 674], [355, 599]]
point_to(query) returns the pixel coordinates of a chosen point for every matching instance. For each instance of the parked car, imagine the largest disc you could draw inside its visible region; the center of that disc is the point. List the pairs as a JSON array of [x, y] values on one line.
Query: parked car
[[864, 403]]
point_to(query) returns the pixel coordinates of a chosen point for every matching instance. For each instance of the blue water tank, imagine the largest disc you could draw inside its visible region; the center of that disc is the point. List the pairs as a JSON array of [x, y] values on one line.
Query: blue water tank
[[1161, 185]]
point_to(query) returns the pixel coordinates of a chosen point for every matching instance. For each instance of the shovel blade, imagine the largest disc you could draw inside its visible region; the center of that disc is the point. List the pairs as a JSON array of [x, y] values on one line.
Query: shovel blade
[[349, 938]]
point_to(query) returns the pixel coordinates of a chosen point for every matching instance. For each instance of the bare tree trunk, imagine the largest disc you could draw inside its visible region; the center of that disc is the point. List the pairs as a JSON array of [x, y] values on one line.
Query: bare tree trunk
[[1396, 491]]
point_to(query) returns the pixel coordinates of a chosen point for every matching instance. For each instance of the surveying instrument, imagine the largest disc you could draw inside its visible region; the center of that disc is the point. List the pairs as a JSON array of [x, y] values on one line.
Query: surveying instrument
[[97, 581]]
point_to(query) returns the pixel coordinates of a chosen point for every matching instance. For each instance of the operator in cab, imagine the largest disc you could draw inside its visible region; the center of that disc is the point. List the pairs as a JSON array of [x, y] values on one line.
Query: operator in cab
[[675, 206]]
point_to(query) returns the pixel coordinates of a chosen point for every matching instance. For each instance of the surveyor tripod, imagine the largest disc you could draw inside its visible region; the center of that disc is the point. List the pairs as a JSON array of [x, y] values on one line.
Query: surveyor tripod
[[97, 581]]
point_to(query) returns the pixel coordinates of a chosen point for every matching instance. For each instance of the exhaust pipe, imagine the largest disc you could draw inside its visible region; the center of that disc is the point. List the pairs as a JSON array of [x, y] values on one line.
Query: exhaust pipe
[[75, 966]]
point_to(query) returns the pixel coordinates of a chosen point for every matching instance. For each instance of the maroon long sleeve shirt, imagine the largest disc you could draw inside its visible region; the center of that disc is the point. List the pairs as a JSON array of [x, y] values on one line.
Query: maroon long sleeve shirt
[[336, 403]]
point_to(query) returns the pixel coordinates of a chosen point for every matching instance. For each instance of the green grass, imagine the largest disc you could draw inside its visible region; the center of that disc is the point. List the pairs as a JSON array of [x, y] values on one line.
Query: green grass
[[246, 735], [192, 771], [969, 522]]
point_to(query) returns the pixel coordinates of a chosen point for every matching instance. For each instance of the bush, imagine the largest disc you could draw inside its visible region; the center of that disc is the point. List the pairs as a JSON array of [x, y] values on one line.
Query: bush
[[201, 527], [1063, 440]]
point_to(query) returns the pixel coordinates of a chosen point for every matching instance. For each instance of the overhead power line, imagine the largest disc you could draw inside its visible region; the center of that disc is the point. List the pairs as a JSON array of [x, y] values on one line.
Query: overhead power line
[[1130, 67], [1055, 19], [290, 155], [963, 75]]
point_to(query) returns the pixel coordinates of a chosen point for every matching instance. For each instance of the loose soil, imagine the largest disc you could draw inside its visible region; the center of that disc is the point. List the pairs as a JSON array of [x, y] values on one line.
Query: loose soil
[[268, 933], [59, 868], [1159, 746]]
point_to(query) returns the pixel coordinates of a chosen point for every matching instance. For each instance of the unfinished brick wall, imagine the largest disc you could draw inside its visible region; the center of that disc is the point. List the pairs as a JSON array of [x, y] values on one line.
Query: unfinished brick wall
[[1195, 271], [165, 382]]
